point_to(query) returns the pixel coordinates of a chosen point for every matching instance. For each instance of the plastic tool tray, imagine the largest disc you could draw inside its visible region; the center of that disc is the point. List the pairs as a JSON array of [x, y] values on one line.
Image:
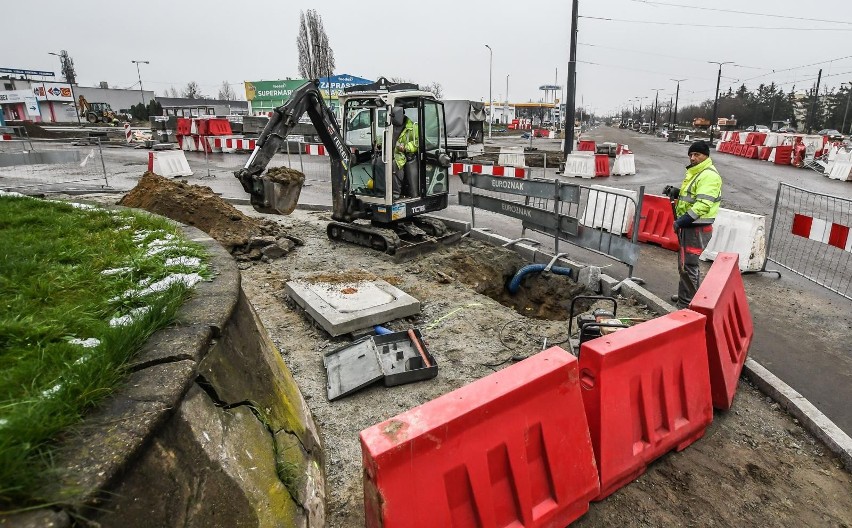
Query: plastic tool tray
[[393, 358]]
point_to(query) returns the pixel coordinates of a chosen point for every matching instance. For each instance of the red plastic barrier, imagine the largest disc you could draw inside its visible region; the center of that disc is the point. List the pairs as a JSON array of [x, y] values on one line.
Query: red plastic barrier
[[759, 139], [750, 152], [783, 153], [601, 165], [511, 449], [200, 127], [183, 126], [586, 144], [646, 390], [735, 137], [655, 225], [722, 299], [765, 152], [738, 149], [218, 127]]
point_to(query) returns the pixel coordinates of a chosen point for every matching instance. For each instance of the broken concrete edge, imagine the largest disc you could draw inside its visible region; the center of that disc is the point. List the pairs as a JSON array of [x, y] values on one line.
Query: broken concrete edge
[[811, 418], [96, 457]]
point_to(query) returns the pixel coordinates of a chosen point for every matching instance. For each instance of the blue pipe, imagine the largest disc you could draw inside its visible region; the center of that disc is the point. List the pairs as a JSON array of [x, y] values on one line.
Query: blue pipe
[[515, 283], [381, 330]]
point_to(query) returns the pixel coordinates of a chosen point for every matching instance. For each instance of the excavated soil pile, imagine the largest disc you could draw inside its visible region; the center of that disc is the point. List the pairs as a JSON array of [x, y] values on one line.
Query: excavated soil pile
[[286, 175], [197, 206], [37, 132], [487, 270]]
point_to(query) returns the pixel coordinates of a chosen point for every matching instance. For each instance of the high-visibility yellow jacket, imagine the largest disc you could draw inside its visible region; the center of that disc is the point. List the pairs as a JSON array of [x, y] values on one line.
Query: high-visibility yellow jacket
[[700, 195], [408, 140]]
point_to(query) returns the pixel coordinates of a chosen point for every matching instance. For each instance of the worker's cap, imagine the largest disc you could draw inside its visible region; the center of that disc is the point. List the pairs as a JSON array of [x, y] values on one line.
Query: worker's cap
[[700, 147]]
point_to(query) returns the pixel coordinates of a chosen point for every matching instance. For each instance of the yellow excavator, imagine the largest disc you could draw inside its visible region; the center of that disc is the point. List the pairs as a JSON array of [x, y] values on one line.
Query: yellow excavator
[[96, 112]]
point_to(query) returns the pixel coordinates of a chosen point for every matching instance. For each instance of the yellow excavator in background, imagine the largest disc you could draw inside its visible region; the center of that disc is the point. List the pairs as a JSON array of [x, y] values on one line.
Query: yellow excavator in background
[[96, 112]]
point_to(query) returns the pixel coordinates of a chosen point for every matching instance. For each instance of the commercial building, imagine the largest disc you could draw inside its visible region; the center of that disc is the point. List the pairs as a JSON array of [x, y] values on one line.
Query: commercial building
[[26, 99], [183, 107]]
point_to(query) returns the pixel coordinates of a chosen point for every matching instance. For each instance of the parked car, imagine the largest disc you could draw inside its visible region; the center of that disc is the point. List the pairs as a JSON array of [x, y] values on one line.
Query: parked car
[[831, 133], [760, 128], [787, 129]]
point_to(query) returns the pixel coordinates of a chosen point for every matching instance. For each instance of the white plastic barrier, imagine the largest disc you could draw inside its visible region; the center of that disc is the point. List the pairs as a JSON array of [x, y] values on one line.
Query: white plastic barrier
[[772, 140], [611, 212], [840, 170], [580, 165], [511, 157], [741, 233], [168, 163], [624, 165]]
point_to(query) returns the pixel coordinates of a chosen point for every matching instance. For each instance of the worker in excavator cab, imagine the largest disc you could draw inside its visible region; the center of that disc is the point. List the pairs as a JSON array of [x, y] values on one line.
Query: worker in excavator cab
[[405, 148]]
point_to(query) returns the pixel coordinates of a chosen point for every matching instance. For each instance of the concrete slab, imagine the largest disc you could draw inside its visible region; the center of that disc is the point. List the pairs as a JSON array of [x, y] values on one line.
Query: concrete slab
[[344, 307]]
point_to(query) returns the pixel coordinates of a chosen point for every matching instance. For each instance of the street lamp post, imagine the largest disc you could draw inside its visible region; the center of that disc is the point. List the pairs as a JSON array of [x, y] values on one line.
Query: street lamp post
[[73, 97], [506, 108], [677, 94], [490, 106], [139, 75], [716, 100], [847, 108]]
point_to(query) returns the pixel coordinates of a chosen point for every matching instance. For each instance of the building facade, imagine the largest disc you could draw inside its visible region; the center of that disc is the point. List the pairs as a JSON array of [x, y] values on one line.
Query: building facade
[[184, 107], [24, 99]]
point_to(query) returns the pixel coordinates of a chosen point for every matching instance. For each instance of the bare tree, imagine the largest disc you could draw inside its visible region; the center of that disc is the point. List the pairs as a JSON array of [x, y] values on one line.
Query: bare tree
[[436, 89], [192, 91], [316, 59], [226, 93], [172, 92]]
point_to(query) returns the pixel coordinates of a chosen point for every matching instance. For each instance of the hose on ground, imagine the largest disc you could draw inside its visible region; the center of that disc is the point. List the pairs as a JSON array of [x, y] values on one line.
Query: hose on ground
[[515, 283]]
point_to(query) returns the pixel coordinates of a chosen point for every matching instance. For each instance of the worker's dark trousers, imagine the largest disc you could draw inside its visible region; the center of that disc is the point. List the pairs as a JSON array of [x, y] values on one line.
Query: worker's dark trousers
[[692, 241]]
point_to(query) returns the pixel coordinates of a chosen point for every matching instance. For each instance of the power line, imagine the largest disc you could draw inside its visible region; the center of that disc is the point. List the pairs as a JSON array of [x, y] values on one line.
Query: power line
[[690, 59], [772, 15], [712, 25]]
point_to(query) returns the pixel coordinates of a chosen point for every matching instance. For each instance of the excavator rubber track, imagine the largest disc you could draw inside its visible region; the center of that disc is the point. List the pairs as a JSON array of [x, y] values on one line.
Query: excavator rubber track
[[401, 246]]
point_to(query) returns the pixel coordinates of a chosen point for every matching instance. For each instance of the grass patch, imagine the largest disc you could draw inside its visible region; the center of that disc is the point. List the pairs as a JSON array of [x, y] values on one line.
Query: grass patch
[[67, 329]]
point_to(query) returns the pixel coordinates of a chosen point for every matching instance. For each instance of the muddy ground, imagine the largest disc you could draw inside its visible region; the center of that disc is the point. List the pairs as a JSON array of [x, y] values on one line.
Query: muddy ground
[[755, 466]]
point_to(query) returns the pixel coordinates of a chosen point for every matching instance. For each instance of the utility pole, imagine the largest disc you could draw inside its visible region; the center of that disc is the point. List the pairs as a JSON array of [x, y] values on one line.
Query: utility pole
[[716, 100], [677, 94], [506, 108], [70, 78], [490, 106], [653, 128], [139, 74], [814, 105], [572, 82], [847, 107]]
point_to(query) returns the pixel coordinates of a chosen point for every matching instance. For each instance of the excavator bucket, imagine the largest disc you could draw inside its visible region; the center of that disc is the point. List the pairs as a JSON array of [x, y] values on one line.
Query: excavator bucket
[[280, 187]]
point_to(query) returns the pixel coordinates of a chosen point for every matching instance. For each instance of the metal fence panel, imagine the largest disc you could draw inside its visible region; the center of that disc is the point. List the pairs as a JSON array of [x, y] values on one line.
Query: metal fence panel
[[42, 164], [811, 235]]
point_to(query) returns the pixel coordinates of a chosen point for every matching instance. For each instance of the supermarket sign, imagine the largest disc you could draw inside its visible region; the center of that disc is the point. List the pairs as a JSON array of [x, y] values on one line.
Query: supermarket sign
[[280, 91]]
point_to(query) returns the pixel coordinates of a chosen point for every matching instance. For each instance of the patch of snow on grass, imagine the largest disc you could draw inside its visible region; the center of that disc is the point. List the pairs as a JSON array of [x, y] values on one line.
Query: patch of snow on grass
[[188, 279], [125, 320], [116, 271], [183, 261], [91, 342]]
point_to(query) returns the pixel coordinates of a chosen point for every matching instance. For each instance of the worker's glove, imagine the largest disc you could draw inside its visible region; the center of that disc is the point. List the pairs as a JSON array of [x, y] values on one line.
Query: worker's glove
[[672, 192]]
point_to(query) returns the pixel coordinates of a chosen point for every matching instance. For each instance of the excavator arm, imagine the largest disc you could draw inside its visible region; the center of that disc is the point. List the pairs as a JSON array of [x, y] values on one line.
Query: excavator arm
[[270, 196]]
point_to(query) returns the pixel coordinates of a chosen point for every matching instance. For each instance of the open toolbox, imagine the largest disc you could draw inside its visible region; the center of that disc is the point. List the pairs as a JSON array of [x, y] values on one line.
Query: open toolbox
[[394, 358]]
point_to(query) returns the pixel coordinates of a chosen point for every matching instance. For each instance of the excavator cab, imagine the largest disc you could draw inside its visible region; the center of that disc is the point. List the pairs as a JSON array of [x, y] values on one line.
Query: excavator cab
[[382, 175]]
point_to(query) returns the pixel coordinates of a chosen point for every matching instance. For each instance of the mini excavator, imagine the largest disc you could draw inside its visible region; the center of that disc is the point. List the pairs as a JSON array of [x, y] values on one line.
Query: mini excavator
[[375, 202]]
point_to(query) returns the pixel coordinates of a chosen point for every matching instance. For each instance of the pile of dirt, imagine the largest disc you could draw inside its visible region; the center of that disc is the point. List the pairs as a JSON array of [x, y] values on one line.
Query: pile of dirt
[[36, 132], [285, 175], [196, 206], [488, 269]]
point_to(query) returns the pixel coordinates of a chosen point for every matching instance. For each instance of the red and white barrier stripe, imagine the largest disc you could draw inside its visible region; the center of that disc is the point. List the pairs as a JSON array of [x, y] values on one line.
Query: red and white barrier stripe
[[128, 135], [5, 137], [315, 150], [491, 170], [836, 235]]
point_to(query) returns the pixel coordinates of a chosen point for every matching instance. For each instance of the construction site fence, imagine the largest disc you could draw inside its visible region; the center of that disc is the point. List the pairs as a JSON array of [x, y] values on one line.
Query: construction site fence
[[598, 219], [296, 155], [44, 165], [810, 236]]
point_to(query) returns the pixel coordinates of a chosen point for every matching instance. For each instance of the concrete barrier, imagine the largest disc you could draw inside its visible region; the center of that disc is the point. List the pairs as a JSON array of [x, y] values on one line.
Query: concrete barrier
[[741, 233]]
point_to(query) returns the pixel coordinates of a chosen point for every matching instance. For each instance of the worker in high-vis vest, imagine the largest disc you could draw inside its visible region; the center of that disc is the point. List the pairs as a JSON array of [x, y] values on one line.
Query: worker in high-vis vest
[[405, 147], [695, 211]]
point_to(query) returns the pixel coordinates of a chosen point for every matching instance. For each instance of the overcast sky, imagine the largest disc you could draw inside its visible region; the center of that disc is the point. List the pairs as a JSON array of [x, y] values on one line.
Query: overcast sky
[[618, 59]]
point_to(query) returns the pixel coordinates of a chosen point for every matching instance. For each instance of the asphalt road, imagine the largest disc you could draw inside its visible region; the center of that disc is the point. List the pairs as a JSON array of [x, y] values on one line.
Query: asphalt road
[[801, 329]]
